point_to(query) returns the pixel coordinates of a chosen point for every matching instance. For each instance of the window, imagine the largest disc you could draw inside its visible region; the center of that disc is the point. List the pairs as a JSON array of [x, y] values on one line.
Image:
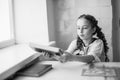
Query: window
[[6, 23]]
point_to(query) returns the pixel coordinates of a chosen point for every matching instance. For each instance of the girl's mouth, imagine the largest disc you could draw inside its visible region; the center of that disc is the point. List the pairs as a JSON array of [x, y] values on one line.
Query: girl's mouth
[[81, 35]]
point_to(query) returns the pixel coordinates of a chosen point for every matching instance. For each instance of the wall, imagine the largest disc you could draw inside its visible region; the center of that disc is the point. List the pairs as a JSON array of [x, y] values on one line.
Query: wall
[[116, 30], [50, 15], [31, 21], [66, 13]]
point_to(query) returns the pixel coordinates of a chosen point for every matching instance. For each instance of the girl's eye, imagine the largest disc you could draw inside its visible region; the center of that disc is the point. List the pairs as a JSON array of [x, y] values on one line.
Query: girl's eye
[[78, 28], [85, 28]]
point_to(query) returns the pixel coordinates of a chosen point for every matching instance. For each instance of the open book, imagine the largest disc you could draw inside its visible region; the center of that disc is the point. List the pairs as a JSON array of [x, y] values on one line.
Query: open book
[[45, 48], [99, 71], [53, 51]]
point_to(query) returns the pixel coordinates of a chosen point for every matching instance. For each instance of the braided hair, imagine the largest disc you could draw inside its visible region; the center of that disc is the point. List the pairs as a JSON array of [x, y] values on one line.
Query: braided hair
[[98, 32]]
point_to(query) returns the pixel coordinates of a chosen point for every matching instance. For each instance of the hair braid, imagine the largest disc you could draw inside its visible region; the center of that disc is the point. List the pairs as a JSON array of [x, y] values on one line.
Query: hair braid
[[101, 36], [79, 43]]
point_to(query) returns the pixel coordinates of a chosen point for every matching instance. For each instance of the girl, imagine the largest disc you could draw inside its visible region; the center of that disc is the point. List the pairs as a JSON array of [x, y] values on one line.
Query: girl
[[90, 45]]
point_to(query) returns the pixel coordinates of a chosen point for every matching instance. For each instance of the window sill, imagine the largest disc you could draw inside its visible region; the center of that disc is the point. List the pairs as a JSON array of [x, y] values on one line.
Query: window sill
[[14, 58]]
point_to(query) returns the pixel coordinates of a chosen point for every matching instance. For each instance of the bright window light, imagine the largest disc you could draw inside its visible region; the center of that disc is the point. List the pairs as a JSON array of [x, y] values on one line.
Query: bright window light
[[6, 23]]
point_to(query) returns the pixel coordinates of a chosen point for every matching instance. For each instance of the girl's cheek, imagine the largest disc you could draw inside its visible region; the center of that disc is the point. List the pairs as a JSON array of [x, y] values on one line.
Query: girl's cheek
[[78, 31]]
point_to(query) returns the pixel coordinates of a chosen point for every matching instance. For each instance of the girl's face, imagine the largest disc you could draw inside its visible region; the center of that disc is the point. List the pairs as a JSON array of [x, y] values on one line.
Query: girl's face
[[84, 29]]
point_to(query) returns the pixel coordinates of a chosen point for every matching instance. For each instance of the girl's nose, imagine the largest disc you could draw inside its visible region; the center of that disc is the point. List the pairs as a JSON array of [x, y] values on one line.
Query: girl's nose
[[81, 30]]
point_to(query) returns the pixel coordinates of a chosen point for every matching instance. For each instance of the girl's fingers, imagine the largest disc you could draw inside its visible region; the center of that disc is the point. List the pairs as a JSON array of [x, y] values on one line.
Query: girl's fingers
[[46, 54], [63, 59]]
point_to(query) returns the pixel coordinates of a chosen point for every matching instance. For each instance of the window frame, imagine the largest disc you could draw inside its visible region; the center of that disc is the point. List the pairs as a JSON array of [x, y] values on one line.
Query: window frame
[[10, 42]]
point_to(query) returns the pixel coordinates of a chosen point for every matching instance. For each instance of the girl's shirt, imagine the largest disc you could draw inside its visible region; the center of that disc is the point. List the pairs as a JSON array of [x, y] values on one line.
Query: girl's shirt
[[95, 49]]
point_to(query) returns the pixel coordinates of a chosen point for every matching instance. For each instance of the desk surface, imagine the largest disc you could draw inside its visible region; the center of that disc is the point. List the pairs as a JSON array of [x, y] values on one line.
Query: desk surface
[[69, 71], [12, 56]]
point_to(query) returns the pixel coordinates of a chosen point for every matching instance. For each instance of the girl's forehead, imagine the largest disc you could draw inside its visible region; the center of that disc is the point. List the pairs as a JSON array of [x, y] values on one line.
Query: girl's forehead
[[83, 21]]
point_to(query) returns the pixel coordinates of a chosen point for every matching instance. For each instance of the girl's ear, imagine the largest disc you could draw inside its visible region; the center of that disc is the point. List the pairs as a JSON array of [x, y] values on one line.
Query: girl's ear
[[94, 29]]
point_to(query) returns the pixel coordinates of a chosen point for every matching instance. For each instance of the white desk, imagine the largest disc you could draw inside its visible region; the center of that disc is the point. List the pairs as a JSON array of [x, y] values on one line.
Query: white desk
[[68, 71], [15, 57]]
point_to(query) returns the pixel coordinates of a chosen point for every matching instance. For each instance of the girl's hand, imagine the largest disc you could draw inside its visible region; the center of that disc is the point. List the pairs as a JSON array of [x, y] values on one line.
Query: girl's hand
[[66, 57], [62, 59], [47, 55]]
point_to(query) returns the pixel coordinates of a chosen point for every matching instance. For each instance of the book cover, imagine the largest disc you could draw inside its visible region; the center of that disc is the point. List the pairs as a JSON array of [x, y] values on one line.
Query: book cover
[[41, 48], [35, 70]]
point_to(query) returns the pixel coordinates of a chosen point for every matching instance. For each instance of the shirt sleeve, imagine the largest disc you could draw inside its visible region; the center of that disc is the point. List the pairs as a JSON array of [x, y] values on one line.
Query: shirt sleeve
[[96, 50], [72, 47]]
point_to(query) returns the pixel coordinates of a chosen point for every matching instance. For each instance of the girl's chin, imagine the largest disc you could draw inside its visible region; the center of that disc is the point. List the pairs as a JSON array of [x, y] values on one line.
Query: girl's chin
[[83, 38]]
